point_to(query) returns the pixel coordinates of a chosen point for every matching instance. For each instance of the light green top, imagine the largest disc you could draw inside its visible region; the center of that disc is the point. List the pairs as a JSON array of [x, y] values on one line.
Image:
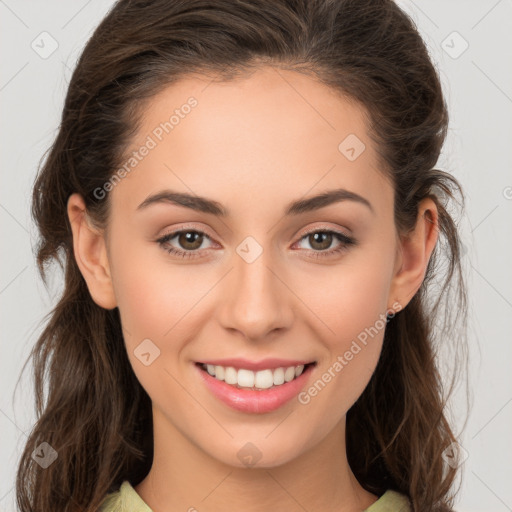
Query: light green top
[[126, 499]]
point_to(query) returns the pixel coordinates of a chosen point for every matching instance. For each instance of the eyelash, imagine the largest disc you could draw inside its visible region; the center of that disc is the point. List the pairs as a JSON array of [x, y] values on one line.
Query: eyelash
[[345, 240]]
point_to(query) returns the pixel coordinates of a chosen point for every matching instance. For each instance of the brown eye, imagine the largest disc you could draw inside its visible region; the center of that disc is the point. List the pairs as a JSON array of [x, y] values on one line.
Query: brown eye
[[188, 243], [191, 240], [320, 240]]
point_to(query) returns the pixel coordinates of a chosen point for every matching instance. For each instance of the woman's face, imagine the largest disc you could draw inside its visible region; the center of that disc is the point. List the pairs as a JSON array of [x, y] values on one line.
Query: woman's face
[[260, 281]]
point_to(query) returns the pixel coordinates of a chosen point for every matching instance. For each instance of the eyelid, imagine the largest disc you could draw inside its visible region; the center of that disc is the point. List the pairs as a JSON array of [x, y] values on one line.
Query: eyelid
[[315, 229], [185, 227]]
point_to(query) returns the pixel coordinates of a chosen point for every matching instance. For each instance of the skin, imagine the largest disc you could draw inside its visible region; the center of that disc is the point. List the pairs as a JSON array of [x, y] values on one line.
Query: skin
[[254, 145]]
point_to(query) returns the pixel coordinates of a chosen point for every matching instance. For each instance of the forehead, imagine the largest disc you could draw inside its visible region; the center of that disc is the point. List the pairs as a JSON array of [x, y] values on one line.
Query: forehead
[[266, 138]]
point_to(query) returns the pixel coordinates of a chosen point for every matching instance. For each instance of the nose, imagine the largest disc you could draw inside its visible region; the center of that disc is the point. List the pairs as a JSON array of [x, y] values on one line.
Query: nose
[[257, 302]]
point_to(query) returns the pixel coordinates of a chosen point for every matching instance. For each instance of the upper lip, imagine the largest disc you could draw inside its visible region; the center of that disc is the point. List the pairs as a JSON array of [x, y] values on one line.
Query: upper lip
[[270, 363]]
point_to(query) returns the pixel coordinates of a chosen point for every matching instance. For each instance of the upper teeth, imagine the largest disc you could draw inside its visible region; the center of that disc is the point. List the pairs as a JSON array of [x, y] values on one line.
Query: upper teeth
[[262, 379]]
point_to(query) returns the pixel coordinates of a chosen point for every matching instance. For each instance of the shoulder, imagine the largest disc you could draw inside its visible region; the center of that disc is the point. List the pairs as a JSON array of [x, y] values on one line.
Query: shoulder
[[391, 501], [111, 502], [125, 499]]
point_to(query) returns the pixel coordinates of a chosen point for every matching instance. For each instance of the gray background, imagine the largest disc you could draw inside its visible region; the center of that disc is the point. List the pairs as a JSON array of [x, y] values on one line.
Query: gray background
[[478, 85]]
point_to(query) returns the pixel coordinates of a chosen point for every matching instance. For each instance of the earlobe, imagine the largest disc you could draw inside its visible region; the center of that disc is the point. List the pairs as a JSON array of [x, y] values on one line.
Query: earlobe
[[414, 253], [90, 252]]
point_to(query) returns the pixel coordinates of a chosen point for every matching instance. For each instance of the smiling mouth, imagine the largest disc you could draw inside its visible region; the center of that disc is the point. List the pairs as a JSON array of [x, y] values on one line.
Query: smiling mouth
[[242, 378]]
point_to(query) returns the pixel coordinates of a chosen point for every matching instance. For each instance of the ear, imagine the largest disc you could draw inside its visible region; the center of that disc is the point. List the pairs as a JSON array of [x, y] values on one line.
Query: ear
[[90, 251], [414, 254]]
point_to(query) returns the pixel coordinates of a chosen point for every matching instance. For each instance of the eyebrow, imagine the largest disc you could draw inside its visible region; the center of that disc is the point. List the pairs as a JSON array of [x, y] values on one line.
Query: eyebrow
[[205, 205]]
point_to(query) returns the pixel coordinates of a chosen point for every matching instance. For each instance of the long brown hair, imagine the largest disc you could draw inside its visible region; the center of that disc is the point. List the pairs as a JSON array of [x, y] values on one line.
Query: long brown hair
[[95, 414]]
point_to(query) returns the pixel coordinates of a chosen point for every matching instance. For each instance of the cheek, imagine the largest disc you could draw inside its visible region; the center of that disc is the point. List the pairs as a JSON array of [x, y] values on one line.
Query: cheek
[[350, 303], [362, 319], [349, 297], [160, 302], [156, 298]]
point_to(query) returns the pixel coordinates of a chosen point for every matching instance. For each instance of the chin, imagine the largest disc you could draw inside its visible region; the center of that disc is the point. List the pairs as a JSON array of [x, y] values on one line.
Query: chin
[[258, 453]]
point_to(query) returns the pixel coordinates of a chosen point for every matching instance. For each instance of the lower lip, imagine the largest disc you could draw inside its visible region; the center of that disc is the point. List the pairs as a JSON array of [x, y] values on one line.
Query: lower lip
[[251, 401]]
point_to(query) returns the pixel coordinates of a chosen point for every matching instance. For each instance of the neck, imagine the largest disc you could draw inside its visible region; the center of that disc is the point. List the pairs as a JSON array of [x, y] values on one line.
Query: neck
[[184, 477]]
